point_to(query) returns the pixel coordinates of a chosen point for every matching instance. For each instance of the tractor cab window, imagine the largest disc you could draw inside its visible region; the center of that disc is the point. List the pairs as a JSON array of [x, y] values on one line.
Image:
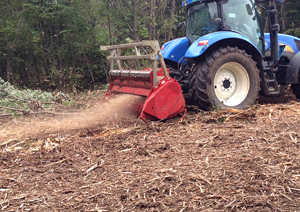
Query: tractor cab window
[[200, 20], [241, 17]]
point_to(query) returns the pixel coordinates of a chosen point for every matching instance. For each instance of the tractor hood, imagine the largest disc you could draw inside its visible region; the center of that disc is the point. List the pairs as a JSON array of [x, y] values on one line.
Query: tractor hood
[[187, 2], [205, 42], [292, 43], [175, 50]]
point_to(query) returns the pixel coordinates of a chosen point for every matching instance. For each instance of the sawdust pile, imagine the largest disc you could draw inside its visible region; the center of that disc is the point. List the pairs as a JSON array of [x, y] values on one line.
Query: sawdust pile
[[116, 109]]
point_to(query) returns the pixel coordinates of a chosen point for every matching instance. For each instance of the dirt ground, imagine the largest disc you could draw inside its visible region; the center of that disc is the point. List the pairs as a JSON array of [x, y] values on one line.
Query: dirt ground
[[208, 161]]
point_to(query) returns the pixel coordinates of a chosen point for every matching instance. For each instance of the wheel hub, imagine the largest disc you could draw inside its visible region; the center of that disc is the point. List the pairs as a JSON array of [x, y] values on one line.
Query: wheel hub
[[226, 84]]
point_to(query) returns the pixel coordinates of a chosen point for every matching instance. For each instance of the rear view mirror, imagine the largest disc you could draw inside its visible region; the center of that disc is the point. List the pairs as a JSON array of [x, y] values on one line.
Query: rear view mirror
[[249, 10]]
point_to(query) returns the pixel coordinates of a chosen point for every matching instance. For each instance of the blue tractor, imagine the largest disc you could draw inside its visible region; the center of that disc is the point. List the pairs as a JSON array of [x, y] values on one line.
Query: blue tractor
[[226, 60]]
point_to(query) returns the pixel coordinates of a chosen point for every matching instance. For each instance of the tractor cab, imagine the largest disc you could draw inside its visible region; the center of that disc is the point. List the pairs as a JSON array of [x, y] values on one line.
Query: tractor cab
[[238, 16]]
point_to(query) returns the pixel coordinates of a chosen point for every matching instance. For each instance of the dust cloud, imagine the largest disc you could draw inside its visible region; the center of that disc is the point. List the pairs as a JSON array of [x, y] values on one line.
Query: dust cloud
[[117, 108]]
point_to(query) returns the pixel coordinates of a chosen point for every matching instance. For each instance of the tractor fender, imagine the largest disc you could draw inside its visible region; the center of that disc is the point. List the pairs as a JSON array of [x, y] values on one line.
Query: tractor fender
[[292, 72], [204, 43], [175, 50]]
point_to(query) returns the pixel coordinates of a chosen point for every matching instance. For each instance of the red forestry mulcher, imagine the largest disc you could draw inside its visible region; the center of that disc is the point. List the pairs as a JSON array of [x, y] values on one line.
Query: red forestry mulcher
[[164, 99]]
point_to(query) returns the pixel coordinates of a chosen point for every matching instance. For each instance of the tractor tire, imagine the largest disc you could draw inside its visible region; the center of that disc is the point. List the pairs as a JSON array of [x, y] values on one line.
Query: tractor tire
[[227, 78], [296, 89]]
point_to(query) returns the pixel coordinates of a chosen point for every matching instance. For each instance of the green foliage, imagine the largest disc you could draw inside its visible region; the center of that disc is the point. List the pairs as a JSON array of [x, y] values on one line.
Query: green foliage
[[222, 119], [54, 44], [289, 16], [26, 99], [295, 32], [68, 102], [215, 108]]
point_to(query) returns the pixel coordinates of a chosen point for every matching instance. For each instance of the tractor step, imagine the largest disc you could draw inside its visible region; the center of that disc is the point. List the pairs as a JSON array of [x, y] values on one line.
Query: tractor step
[[271, 86], [272, 93]]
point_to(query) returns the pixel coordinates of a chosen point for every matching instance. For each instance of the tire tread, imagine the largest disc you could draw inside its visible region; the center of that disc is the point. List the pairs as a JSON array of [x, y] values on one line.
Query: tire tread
[[200, 80]]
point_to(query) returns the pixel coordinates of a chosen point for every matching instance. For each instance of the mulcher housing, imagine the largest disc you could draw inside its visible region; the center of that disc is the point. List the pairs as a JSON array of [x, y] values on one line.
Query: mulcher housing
[[163, 96]]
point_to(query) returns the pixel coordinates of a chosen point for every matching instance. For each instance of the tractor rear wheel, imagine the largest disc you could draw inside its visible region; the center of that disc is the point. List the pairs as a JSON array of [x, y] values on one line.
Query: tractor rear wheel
[[228, 78], [296, 89]]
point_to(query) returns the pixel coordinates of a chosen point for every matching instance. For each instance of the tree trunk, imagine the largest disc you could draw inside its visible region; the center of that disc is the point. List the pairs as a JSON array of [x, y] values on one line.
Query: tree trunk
[[163, 20], [267, 25], [38, 74], [171, 20], [134, 27], [151, 24], [282, 18], [154, 18], [109, 22], [89, 22], [8, 71]]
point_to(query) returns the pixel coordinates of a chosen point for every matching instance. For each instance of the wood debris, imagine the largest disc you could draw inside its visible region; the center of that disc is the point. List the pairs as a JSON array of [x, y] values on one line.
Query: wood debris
[[227, 160]]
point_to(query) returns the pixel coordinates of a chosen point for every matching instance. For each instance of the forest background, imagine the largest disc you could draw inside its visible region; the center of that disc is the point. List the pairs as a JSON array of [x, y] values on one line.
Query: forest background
[[54, 44]]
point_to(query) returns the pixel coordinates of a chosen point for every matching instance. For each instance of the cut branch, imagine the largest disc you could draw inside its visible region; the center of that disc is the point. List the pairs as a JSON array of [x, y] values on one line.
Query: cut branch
[[14, 109]]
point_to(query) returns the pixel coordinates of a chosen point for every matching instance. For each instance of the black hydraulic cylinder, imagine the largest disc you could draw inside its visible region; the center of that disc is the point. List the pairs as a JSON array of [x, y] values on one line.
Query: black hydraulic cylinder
[[274, 28]]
